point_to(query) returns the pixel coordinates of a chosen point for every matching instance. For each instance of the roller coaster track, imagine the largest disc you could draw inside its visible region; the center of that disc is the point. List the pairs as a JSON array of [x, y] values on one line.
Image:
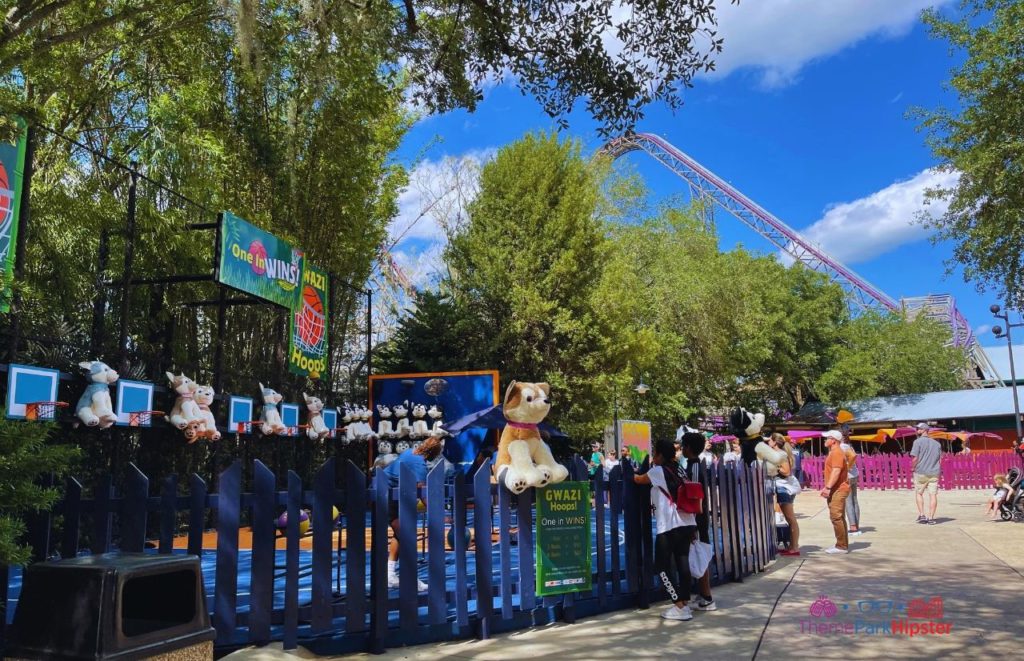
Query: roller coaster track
[[707, 186]]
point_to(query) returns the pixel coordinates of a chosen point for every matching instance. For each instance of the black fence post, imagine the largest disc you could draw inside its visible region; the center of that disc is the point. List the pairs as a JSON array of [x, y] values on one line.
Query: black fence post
[[126, 279]]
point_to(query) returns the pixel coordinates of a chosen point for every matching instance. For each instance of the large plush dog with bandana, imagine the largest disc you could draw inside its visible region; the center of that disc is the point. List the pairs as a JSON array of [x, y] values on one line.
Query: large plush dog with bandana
[[524, 459]]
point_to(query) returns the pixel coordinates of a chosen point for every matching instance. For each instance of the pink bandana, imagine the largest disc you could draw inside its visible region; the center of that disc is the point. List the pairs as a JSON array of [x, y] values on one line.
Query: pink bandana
[[521, 425]]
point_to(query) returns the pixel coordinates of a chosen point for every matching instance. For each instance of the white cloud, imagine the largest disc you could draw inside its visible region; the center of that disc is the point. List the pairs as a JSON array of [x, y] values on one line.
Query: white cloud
[[881, 222], [436, 197], [982, 329], [779, 37]]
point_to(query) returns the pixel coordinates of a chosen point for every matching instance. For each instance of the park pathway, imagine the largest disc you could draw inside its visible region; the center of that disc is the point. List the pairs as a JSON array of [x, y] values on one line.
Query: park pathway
[[975, 566]]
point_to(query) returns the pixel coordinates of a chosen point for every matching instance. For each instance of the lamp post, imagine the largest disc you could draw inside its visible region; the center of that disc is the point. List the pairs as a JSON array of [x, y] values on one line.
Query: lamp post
[[640, 389], [998, 332]]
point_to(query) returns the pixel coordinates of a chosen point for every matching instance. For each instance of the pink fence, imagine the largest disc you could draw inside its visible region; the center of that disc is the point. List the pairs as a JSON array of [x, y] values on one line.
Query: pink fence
[[893, 471]]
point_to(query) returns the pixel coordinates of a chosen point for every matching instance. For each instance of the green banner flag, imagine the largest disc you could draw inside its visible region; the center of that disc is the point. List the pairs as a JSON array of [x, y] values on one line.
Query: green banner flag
[[307, 345], [12, 168], [257, 262], [563, 538]]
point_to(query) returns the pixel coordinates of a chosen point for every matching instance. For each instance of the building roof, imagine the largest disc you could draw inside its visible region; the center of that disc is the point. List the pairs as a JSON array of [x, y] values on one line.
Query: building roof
[[953, 404], [1000, 357]]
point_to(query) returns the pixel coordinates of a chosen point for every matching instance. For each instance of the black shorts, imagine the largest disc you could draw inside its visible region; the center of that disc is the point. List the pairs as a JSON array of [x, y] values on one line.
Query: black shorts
[[392, 510], [703, 534]]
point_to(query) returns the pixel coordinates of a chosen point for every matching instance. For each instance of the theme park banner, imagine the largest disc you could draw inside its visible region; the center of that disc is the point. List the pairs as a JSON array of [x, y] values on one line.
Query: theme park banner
[[12, 166], [635, 437], [307, 345], [258, 262], [563, 538]]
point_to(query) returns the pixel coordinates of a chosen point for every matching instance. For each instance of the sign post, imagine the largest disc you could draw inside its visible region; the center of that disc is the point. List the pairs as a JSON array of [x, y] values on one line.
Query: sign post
[[563, 538]]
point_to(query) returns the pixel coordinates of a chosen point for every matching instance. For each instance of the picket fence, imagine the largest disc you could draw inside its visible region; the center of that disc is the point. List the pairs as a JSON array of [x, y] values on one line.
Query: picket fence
[[894, 471], [472, 592]]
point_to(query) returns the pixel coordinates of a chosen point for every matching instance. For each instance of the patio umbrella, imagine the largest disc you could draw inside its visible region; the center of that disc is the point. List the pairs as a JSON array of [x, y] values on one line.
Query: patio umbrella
[[491, 417], [801, 435], [722, 438]]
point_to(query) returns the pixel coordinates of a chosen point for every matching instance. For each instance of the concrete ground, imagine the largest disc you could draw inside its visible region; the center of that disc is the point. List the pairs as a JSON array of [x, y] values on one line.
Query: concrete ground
[[974, 565]]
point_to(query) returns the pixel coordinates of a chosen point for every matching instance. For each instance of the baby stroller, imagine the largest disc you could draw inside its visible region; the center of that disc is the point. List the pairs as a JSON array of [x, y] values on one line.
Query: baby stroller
[[1013, 507]]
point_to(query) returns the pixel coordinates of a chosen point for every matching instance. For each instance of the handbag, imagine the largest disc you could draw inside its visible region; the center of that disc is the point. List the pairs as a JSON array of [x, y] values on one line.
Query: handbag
[[700, 557]]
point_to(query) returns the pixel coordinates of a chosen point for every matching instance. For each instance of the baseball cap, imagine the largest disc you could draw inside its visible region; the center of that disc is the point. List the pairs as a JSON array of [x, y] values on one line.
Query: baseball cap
[[832, 433], [922, 426]]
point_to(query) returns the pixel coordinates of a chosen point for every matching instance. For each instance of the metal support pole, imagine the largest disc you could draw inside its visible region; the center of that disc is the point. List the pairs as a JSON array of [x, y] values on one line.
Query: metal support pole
[[369, 337], [24, 216], [99, 304], [615, 420], [129, 259], [1013, 380], [218, 356]]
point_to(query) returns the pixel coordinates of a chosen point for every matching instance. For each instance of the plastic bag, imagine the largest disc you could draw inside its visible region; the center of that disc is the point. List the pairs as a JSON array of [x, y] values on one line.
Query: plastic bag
[[700, 557]]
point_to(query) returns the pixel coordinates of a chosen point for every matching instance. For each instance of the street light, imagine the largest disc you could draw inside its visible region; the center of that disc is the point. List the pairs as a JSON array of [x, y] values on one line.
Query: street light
[[640, 389], [998, 332]]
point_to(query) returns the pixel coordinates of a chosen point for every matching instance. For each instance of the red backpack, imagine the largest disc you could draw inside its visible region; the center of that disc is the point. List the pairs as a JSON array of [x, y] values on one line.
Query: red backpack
[[687, 496]]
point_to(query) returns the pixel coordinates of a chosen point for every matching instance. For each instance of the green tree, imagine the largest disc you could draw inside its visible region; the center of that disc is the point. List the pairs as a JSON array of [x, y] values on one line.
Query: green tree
[[528, 260], [25, 459], [981, 141], [887, 355]]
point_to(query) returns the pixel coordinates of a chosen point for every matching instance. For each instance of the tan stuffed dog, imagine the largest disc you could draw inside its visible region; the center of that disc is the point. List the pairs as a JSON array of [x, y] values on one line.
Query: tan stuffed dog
[[524, 459]]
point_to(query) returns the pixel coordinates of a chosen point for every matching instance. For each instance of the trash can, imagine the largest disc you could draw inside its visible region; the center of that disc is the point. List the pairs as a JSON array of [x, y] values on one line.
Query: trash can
[[113, 606]]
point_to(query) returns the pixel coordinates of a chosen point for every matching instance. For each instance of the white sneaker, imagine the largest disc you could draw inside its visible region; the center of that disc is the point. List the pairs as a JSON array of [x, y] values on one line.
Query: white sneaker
[[676, 613], [854, 533], [835, 550], [421, 586], [393, 581], [706, 605]]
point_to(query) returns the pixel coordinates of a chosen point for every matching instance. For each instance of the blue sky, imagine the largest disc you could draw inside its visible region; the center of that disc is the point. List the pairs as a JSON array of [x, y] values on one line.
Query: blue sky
[[806, 116]]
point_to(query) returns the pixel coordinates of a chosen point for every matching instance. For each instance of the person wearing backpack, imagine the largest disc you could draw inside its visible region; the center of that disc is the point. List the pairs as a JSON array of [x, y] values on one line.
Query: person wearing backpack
[[675, 529], [693, 445]]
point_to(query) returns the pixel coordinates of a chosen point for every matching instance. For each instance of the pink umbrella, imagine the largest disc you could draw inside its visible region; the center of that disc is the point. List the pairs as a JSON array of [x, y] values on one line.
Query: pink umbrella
[[722, 438], [801, 435]]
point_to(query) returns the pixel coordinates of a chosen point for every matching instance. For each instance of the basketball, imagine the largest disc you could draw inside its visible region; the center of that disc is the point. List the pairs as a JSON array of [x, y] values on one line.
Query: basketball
[[310, 319], [259, 257], [6, 199]]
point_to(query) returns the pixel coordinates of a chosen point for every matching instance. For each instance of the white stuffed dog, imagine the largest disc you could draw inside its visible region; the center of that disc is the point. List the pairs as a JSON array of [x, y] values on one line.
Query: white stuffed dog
[[185, 415], [419, 424], [772, 458], [316, 428], [94, 407], [269, 415], [208, 427]]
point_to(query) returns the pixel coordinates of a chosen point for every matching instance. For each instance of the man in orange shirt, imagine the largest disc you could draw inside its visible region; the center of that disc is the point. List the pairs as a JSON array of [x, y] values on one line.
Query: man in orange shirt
[[837, 489]]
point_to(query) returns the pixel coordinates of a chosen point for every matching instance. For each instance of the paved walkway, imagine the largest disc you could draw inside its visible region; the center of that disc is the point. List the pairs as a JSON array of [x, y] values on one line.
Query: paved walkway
[[975, 566]]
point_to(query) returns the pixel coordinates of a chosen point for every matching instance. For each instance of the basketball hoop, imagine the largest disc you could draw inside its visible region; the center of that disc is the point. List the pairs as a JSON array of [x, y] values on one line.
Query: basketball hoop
[[142, 418], [42, 410]]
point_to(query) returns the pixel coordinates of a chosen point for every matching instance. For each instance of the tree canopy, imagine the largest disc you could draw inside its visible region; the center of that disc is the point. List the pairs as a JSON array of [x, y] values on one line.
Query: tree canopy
[[564, 277], [981, 141]]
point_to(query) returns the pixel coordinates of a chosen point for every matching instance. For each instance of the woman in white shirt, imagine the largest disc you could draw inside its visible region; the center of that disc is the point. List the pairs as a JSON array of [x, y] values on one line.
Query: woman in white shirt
[[611, 460], [675, 530]]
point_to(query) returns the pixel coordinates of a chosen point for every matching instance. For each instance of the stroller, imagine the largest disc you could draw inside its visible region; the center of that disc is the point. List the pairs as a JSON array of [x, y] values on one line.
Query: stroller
[[1013, 507]]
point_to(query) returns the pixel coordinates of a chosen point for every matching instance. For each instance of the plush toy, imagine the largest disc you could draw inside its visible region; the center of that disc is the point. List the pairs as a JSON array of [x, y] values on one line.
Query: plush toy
[[524, 459], [772, 458], [270, 416], [402, 446], [348, 417], [316, 428], [185, 415], [367, 430], [419, 425], [747, 428], [437, 416], [94, 408], [402, 426], [385, 447], [208, 426], [384, 428]]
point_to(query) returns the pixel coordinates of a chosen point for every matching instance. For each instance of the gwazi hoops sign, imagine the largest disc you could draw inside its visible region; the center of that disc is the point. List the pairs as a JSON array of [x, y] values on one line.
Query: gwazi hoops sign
[[258, 263]]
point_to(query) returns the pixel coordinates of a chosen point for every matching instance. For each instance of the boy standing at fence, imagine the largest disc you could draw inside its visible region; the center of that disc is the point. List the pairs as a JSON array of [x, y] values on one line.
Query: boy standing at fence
[[416, 459], [675, 530], [693, 444], [836, 490]]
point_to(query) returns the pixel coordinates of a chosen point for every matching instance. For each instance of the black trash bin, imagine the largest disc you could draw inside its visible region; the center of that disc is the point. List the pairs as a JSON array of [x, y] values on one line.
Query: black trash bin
[[113, 606]]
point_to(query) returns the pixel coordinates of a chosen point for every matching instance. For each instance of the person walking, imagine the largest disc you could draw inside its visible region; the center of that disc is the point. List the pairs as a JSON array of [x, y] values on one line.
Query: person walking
[[927, 454], [837, 488], [784, 495], [692, 444], [675, 530], [852, 472]]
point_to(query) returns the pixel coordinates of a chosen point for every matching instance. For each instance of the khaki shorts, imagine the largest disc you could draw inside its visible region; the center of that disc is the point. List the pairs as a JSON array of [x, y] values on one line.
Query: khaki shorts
[[929, 482]]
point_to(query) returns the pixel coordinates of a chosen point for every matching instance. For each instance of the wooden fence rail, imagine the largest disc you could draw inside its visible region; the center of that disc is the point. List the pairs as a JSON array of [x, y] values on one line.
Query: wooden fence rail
[[331, 592]]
